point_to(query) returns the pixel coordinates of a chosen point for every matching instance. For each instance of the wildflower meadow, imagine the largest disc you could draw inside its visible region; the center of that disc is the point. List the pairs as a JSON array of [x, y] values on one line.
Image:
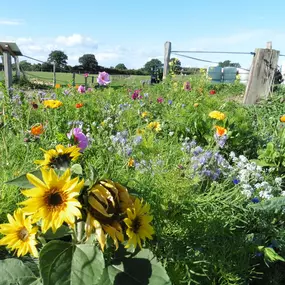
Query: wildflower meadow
[[171, 183]]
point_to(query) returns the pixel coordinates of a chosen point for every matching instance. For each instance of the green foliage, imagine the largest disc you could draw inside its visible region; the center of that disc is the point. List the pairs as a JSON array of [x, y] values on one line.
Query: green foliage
[[89, 63], [121, 66], [59, 57], [153, 63]]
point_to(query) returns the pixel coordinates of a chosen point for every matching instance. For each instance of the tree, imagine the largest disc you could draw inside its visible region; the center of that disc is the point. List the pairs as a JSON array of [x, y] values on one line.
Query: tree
[[26, 66], [47, 67], [121, 66], [175, 65], [154, 63], [228, 63], [59, 57], [89, 63]]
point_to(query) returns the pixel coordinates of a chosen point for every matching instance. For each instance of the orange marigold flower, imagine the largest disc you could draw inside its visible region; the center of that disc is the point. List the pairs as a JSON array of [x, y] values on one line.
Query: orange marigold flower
[[79, 105], [57, 86], [37, 130], [220, 131], [282, 119]]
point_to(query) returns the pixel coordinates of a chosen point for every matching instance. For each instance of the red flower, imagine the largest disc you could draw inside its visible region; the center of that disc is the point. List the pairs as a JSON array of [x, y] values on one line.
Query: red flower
[[79, 105], [159, 100], [212, 92]]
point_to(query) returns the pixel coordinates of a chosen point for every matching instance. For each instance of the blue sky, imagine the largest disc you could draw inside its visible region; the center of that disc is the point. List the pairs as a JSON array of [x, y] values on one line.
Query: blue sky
[[134, 31]]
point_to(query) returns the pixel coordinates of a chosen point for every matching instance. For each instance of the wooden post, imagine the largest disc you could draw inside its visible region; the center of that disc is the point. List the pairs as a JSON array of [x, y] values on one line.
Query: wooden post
[[73, 79], [167, 52], [92, 79], [17, 63], [86, 82], [261, 74], [7, 69], [54, 75]]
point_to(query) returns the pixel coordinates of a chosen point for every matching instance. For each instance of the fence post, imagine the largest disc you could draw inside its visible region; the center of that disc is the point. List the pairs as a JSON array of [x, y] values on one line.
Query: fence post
[[167, 52], [17, 63], [73, 79], [261, 74], [92, 79], [7, 69], [85, 81], [54, 75]]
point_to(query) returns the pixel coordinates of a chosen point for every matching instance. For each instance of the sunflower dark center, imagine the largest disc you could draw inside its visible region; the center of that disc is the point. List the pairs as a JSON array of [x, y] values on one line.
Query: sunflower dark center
[[55, 199], [136, 224], [61, 161], [23, 234]]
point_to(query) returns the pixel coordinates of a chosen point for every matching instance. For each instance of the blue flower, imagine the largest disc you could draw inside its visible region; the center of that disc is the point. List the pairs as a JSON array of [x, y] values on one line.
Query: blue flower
[[170, 102], [236, 181], [255, 200]]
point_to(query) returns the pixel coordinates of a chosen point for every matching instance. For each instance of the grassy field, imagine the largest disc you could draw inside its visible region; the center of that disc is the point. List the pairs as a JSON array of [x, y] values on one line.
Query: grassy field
[[66, 78]]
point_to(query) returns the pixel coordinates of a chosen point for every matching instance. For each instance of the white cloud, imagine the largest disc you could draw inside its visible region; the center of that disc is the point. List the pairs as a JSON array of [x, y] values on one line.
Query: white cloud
[[10, 22], [76, 40]]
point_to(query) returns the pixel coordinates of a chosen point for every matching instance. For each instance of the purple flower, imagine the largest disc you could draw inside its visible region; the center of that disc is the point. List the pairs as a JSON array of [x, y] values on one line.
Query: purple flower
[[170, 102], [81, 89], [187, 86], [79, 138], [136, 94], [255, 200], [236, 181], [103, 78]]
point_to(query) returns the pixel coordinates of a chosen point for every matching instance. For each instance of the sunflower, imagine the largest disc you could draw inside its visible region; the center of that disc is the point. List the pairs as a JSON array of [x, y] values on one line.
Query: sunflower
[[138, 224], [20, 235], [60, 157], [53, 199], [107, 202], [53, 104]]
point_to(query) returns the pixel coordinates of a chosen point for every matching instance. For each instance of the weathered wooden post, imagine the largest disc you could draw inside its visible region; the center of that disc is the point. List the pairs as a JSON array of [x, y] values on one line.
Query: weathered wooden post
[[7, 69], [17, 63], [261, 74], [167, 52], [92, 79], [54, 75], [85, 81], [73, 79]]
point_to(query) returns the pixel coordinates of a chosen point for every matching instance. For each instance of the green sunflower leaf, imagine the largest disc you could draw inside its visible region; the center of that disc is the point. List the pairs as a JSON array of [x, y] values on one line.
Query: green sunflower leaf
[[14, 271], [143, 268], [22, 181], [63, 263]]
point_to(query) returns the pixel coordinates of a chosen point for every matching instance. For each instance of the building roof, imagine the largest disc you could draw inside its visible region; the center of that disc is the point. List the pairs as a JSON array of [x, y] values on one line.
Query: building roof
[[11, 47]]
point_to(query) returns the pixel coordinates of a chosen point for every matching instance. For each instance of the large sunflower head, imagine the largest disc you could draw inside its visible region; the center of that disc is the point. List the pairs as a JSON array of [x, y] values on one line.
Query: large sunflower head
[[107, 201], [60, 157], [20, 234], [53, 199], [138, 224]]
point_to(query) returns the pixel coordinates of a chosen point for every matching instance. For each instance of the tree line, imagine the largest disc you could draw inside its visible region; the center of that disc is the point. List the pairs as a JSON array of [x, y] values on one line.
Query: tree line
[[89, 64]]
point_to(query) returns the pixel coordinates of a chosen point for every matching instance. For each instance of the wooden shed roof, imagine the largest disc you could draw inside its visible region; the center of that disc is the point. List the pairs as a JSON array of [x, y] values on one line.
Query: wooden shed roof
[[11, 47]]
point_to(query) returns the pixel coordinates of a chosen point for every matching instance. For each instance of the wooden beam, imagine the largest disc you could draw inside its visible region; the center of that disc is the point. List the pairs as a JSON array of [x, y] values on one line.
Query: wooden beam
[[261, 75], [17, 63], [167, 52]]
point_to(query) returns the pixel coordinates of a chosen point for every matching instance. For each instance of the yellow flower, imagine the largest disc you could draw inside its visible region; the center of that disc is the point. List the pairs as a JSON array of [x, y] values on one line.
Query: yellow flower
[[52, 200], [154, 126], [138, 223], [20, 235], [282, 119], [60, 157], [140, 132], [52, 103], [144, 114], [57, 86], [217, 115], [220, 131], [196, 105], [131, 162], [107, 202]]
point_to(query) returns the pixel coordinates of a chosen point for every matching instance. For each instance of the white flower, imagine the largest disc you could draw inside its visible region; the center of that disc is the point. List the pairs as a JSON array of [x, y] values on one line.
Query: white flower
[[171, 134], [278, 181], [243, 159], [265, 194]]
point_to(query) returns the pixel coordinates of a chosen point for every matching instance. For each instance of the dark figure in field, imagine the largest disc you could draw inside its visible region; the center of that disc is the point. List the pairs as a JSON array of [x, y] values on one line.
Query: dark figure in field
[[277, 79]]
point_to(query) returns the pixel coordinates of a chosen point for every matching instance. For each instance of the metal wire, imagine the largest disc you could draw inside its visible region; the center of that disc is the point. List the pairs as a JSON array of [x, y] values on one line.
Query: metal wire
[[34, 59], [206, 51]]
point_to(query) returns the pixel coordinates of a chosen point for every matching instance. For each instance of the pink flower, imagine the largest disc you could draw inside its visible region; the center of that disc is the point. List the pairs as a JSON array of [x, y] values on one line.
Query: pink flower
[[79, 138], [81, 89], [187, 86], [86, 74], [89, 89], [159, 100], [136, 95], [103, 78]]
